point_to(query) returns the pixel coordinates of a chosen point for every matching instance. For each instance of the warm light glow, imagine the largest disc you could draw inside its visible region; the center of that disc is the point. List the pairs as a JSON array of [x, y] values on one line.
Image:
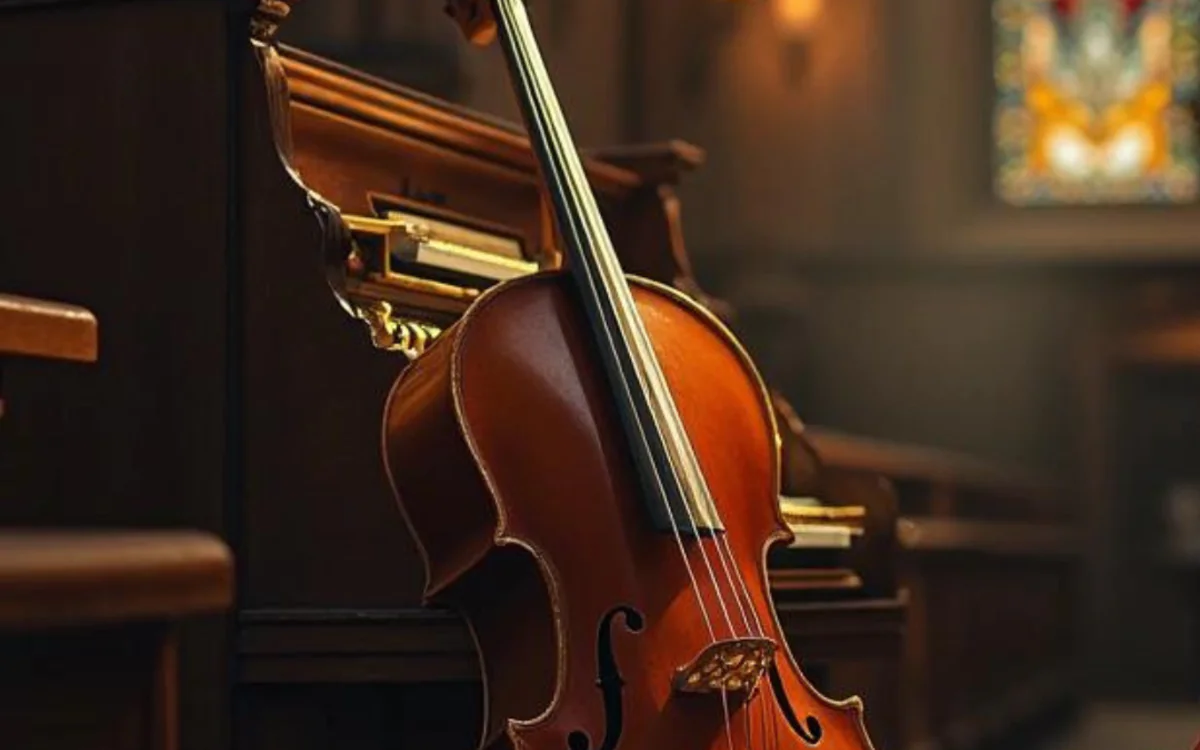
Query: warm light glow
[[797, 17]]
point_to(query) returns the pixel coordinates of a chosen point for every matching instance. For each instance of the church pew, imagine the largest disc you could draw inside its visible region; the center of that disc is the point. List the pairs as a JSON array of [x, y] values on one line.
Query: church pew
[[991, 569]]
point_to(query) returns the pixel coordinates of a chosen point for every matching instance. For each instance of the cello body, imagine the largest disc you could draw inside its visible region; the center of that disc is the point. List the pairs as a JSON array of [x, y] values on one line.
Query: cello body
[[518, 485]]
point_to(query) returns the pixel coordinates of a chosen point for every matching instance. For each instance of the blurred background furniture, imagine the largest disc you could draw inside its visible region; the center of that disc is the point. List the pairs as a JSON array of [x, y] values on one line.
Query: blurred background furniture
[[89, 629], [993, 576], [89, 620]]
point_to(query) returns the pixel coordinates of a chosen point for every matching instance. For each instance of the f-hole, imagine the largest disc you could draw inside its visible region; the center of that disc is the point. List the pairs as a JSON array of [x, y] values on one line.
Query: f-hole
[[609, 680], [810, 731]]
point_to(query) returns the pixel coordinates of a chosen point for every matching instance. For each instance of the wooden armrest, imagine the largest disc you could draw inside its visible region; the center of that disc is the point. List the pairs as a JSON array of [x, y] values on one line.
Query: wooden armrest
[[77, 578], [37, 328]]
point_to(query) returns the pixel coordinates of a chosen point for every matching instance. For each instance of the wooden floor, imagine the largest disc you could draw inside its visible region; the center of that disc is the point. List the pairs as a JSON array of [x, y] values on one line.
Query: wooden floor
[[1133, 727]]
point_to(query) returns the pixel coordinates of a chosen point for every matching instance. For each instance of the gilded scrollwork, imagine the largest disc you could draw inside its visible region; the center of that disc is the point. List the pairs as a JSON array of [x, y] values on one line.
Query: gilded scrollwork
[[396, 334], [387, 331]]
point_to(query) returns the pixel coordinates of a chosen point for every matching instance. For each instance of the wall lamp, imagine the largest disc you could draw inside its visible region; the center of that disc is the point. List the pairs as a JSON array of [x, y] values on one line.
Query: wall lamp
[[796, 19]]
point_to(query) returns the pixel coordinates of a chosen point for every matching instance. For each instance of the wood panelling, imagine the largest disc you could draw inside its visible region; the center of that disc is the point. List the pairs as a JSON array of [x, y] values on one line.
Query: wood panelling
[[142, 212], [114, 183]]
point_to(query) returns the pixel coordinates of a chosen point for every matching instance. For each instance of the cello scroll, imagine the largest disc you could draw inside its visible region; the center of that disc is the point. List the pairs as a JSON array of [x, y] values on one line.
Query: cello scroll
[[476, 18]]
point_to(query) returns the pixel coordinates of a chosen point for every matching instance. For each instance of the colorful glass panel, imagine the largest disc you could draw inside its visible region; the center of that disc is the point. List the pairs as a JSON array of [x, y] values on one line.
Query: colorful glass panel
[[1096, 101]]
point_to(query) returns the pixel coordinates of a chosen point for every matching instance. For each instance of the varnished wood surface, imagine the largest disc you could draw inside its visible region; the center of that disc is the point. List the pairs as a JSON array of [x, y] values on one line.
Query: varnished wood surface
[[82, 578], [39, 328], [536, 576]]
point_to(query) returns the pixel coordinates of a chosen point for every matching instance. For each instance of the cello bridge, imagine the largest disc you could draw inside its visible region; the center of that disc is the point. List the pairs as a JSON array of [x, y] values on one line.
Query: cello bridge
[[730, 666]]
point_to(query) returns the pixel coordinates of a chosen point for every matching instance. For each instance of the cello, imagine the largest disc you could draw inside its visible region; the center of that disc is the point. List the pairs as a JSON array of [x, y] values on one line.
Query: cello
[[589, 464]]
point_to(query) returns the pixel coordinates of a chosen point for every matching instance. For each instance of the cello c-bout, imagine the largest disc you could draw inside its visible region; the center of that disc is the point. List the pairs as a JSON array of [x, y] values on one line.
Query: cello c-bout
[[590, 468]]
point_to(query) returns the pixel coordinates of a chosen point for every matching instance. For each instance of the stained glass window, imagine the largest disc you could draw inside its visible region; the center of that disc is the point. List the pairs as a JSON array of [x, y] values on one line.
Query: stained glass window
[[1096, 101]]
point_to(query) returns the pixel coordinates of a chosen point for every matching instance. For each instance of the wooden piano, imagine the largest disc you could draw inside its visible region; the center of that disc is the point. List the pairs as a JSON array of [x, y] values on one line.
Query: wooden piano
[[267, 235]]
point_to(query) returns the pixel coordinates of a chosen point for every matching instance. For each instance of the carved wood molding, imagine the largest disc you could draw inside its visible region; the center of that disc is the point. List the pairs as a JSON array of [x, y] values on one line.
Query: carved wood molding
[[336, 238], [267, 17]]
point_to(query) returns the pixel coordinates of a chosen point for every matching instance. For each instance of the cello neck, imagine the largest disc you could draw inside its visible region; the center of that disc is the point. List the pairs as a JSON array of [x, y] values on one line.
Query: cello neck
[[672, 483]]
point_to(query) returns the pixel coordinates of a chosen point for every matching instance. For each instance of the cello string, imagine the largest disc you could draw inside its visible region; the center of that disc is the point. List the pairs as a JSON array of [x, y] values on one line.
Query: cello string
[[641, 338], [683, 453], [623, 298], [543, 97], [748, 724], [757, 628], [576, 187], [699, 486], [667, 413], [695, 480], [516, 31], [600, 241], [728, 720]]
